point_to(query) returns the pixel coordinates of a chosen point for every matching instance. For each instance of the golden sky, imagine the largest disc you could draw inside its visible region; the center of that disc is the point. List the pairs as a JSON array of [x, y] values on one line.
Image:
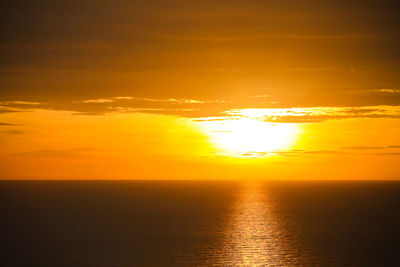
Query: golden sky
[[200, 89]]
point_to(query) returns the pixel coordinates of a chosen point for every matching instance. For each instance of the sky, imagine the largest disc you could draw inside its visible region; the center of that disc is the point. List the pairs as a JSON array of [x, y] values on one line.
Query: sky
[[192, 89]]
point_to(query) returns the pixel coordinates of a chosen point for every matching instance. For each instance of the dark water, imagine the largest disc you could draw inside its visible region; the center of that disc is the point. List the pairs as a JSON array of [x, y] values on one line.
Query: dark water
[[199, 223]]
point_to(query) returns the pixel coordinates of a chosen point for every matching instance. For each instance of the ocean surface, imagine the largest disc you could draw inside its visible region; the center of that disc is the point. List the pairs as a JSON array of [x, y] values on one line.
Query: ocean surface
[[199, 223]]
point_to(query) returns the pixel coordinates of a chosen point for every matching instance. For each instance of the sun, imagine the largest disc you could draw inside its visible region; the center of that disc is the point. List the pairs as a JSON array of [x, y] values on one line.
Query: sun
[[250, 137]]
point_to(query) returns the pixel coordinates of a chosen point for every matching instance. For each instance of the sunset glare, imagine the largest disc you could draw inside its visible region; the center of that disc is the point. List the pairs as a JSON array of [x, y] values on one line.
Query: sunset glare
[[250, 137]]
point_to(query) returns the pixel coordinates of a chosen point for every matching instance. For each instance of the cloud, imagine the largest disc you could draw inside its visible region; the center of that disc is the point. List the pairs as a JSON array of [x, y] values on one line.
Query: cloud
[[293, 153], [2, 111], [18, 103], [9, 124], [387, 91], [130, 109], [123, 97], [152, 110], [54, 153], [363, 147], [13, 132], [211, 119], [260, 96], [376, 91], [173, 100], [167, 100], [210, 109], [19, 106], [324, 152], [323, 118], [372, 148], [303, 153], [99, 100], [243, 37], [96, 50], [322, 114], [186, 107], [388, 154], [350, 150]]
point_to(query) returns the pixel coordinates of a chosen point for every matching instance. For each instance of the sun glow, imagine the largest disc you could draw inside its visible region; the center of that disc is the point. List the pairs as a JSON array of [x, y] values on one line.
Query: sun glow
[[250, 136]]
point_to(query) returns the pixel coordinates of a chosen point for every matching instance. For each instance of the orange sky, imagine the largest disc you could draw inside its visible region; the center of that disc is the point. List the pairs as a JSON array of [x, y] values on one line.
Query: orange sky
[[200, 90], [47, 144]]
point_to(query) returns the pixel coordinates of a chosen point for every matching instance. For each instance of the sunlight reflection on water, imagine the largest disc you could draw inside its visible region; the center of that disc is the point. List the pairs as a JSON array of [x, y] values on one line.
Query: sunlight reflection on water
[[253, 237]]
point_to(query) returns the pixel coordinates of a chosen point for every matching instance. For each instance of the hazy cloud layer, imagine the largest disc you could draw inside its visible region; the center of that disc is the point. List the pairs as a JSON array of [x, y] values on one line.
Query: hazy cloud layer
[[386, 151], [212, 109], [300, 53], [318, 114]]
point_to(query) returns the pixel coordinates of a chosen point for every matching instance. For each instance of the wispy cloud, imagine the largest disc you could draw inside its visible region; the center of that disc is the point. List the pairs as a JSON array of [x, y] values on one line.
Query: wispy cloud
[[227, 38], [168, 100], [363, 147], [18, 102], [12, 132], [323, 118], [173, 100], [99, 100], [130, 109], [151, 110], [388, 154], [387, 91], [361, 150], [383, 91], [260, 96], [2, 111], [317, 114], [54, 153], [293, 153], [208, 109], [9, 124], [370, 147], [123, 97]]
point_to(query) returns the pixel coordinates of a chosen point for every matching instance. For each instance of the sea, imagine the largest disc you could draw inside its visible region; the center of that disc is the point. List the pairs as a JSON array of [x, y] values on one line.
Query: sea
[[199, 223]]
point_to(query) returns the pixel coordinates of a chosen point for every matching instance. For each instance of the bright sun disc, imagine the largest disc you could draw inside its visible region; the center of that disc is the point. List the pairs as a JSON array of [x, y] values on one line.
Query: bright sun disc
[[250, 137]]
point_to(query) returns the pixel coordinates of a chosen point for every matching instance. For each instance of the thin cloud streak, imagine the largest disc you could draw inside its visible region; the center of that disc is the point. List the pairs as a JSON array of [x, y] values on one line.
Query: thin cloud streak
[[239, 37], [389, 91], [363, 147], [18, 103], [9, 124], [100, 100]]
